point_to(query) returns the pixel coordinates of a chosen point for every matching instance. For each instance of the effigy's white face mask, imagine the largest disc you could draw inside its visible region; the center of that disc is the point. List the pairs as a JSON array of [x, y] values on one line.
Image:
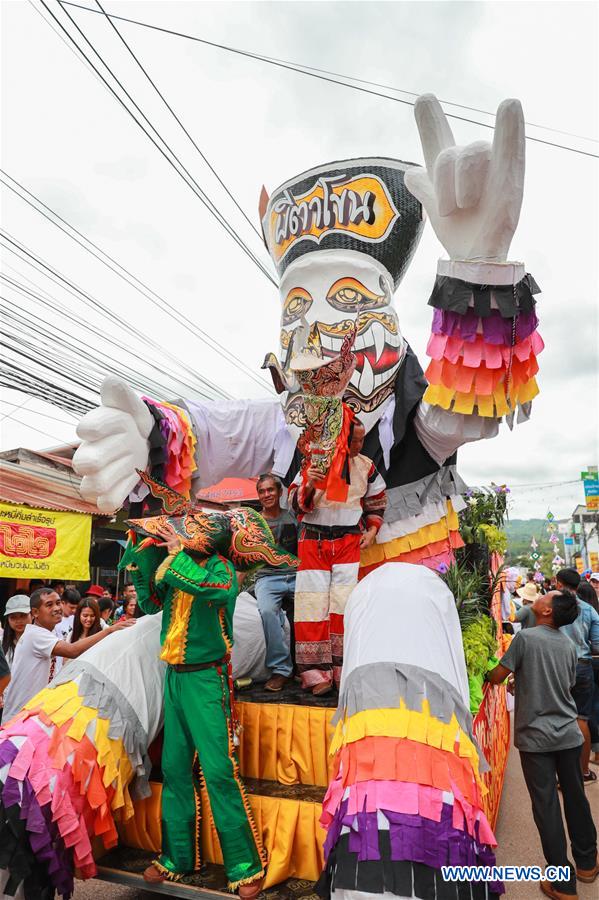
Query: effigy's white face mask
[[331, 292], [341, 237]]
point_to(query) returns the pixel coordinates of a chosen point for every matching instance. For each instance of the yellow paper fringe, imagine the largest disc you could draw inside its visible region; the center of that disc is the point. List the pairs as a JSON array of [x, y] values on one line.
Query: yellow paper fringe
[[492, 405], [428, 534]]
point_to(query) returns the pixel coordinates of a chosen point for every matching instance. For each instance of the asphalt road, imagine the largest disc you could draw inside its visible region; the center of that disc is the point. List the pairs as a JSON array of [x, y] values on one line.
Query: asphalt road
[[516, 834]]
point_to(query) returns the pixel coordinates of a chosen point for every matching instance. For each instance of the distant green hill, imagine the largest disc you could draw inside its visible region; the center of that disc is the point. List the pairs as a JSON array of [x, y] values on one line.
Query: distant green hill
[[520, 533]]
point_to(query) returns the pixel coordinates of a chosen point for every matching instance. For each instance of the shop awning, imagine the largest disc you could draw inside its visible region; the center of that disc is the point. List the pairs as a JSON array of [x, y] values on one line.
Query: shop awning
[[56, 489]]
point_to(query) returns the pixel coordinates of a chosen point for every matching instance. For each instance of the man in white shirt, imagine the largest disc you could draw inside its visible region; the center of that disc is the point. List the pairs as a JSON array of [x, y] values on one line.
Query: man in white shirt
[[69, 600], [39, 651]]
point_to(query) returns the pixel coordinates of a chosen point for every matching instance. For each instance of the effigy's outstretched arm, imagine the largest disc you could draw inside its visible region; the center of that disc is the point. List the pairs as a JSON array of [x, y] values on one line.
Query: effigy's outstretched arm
[[484, 341], [182, 443]]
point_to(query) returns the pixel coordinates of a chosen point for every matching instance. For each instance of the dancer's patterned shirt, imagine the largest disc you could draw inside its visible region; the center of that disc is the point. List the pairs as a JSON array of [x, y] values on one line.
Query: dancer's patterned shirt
[[189, 593]]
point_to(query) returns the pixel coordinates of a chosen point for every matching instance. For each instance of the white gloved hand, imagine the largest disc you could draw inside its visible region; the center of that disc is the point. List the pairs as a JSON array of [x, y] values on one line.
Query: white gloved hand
[[115, 444], [472, 194]]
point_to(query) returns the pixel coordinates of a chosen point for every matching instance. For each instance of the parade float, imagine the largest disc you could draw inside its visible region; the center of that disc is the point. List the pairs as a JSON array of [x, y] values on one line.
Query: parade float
[[399, 780]]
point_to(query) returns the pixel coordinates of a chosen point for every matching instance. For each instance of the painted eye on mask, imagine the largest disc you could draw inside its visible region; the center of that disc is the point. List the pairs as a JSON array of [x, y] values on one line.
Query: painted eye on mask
[[297, 303], [350, 295]]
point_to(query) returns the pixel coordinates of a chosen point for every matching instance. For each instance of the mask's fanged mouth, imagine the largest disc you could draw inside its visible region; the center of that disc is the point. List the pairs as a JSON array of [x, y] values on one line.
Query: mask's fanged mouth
[[371, 347]]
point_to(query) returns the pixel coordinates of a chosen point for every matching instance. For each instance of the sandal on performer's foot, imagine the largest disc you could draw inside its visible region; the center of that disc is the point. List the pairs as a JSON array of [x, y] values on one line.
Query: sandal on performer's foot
[[251, 890], [153, 876], [157, 874], [325, 687]]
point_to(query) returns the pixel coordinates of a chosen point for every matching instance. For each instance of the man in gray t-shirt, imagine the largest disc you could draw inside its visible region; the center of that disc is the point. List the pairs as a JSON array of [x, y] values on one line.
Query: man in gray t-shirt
[[545, 668], [276, 586], [543, 661]]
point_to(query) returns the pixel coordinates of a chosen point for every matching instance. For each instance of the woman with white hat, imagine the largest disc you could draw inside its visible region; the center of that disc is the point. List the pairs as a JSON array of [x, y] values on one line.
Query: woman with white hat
[[17, 616]]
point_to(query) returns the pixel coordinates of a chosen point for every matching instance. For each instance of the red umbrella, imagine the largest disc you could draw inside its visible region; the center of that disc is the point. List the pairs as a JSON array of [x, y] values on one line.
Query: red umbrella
[[230, 490]]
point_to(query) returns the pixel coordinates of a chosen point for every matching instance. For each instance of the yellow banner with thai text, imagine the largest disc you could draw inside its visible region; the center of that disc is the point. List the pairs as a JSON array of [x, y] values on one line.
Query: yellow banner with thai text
[[579, 564], [42, 543]]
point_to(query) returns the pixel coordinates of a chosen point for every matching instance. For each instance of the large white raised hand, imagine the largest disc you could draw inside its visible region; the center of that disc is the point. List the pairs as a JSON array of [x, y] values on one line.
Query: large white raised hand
[[472, 194], [115, 444]]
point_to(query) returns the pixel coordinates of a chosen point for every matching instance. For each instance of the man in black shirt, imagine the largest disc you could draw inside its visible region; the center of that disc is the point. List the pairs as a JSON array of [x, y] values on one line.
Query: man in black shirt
[[276, 585]]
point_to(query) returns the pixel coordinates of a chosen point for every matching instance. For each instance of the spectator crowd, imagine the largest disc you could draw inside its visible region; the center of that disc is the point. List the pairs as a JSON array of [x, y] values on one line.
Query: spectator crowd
[[49, 625]]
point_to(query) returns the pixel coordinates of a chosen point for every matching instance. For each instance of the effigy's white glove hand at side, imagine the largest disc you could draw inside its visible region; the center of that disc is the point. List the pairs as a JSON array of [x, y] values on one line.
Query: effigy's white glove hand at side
[[472, 194], [115, 444]]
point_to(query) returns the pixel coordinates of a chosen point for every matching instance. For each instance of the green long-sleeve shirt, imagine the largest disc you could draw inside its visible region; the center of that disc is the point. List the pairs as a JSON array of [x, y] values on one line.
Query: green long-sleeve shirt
[[197, 602]]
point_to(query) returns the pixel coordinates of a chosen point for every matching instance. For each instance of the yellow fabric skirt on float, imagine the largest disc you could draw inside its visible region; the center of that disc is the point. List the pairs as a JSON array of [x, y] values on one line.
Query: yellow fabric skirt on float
[[291, 833], [285, 743]]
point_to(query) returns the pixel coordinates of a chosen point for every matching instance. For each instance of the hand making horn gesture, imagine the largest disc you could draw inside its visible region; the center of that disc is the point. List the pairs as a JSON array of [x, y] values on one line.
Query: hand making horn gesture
[[472, 194]]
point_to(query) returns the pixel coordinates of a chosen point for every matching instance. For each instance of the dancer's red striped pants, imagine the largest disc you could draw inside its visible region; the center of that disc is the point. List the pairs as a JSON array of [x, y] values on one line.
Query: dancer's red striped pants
[[327, 574]]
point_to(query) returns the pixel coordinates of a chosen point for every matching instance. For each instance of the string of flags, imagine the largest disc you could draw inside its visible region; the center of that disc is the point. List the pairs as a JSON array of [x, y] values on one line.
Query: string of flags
[[535, 555], [557, 560], [553, 537]]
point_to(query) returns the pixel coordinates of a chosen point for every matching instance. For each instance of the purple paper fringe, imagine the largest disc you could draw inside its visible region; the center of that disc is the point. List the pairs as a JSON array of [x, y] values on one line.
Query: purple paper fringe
[[495, 329], [413, 838], [44, 838]]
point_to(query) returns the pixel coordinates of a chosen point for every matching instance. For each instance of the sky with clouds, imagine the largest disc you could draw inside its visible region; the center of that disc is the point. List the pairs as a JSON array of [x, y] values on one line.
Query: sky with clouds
[[68, 141]]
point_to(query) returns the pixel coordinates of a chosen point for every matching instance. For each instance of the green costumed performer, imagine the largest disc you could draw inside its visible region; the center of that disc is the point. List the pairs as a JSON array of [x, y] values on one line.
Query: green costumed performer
[[180, 566]]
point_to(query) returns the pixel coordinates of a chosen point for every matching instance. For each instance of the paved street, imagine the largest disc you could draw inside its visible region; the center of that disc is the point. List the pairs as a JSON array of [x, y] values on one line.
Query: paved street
[[518, 838]]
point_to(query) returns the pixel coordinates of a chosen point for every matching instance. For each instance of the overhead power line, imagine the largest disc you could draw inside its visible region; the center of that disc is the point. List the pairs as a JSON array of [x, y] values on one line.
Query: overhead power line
[[80, 358], [87, 298], [56, 307], [17, 406], [537, 484], [126, 275], [17, 378], [46, 434], [61, 38], [309, 71], [390, 87], [179, 122], [166, 151], [136, 377], [33, 412]]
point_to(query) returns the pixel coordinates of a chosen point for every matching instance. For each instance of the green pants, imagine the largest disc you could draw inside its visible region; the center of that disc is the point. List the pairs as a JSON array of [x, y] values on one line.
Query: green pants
[[197, 721]]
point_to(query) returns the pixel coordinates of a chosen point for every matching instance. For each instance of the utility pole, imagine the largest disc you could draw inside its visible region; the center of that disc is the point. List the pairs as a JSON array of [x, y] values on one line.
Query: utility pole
[[584, 540]]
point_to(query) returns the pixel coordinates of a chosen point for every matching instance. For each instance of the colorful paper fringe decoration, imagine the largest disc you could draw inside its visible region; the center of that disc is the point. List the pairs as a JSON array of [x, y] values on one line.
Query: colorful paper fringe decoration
[[482, 364], [406, 787], [63, 781], [179, 445], [432, 545]]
